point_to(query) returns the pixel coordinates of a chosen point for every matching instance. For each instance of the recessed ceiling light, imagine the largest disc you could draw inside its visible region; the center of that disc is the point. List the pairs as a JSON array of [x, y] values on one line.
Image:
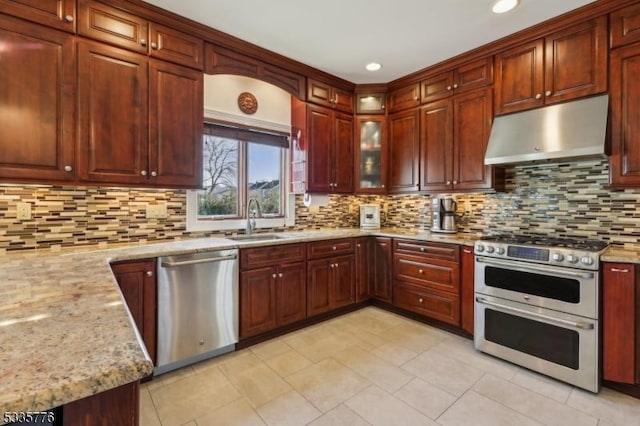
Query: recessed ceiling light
[[373, 66], [502, 6]]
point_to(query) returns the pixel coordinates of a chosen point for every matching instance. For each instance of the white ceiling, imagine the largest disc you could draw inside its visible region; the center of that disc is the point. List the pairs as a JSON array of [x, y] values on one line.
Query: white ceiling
[[342, 36]]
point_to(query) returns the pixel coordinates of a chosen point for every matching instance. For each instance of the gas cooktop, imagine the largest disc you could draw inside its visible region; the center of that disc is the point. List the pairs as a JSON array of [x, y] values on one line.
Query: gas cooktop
[[577, 244]]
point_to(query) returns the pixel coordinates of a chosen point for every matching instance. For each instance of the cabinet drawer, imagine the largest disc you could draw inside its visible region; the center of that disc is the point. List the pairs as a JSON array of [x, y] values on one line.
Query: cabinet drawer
[[175, 46], [450, 252], [319, 249], [113, 26], [440, 275], [271, 255], [431, 303]]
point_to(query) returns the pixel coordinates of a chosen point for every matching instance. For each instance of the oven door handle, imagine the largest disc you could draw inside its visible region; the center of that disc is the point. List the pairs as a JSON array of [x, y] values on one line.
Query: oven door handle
[[581, 325], [536, 269]]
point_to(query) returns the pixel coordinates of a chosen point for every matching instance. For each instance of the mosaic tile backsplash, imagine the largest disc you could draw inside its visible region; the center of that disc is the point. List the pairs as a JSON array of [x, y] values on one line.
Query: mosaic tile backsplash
[[565, 200]]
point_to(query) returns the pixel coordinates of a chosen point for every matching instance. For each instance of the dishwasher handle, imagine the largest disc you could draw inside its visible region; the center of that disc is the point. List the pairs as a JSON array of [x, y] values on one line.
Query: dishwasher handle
[[169, 264]]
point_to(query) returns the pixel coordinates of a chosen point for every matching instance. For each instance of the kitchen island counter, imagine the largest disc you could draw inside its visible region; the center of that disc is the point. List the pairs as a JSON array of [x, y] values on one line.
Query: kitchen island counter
[[65, 329]]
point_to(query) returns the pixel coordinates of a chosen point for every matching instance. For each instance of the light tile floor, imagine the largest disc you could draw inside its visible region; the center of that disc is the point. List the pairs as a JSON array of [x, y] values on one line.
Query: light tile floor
[[372, 367]]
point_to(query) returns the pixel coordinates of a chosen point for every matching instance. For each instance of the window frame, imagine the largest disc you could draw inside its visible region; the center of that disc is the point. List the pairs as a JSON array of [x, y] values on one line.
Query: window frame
[[195, 223]]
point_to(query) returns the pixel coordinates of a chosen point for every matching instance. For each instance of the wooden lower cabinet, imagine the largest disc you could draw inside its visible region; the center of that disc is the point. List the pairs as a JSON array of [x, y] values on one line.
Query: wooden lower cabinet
[[137, 281], [363, 274], [381, 268], [330, 283], [432, 303], [621, 323], [426, 279], [118, 406], [467, 276], [273, 295]]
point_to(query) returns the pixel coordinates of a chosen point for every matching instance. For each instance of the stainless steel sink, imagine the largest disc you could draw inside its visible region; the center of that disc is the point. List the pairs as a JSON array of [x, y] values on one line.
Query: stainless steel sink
[[257, 237]]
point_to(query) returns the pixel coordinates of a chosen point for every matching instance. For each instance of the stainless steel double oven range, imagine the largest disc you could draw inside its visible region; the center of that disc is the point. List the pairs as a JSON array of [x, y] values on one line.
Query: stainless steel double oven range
[[537, 305]]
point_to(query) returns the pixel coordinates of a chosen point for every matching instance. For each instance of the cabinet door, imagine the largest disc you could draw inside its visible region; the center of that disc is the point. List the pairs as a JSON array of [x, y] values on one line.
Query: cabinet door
[[435, 304], [576, 61], [467, 289], [404, 98], [175, 125], [371, 155], [60, 14], [436, 146], [625, 108], [113, 102], [343, 289], [625, 26], [320, 142], [473, 75], [291, 291], [343, 101], [620, 321], [319, 277], [520, 78], [175, 46], [437, 87], [343, 154], [371, 103], [472, 115], [137, 282], [363, 260], [382, 268], [37, 83], [319, 93], [404, 149], [110, 25], [257, 301]]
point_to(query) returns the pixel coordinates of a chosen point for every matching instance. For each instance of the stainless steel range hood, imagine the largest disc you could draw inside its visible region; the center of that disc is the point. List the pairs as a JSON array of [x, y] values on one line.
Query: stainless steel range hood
[[568, 131]]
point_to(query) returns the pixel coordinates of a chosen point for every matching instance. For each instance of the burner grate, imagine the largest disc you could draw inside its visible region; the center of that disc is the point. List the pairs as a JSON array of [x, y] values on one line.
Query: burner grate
[[578, 244]]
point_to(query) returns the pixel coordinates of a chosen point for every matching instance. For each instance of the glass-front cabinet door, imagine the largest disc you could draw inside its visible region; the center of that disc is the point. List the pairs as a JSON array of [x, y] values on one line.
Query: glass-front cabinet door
[[371, 155]]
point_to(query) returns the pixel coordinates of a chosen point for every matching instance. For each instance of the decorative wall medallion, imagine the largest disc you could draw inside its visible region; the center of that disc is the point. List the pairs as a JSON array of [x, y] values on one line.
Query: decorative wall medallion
[[247, 103]]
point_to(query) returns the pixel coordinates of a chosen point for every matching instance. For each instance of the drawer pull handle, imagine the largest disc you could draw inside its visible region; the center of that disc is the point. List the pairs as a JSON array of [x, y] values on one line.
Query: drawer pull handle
[[467, 251], [624, 271]]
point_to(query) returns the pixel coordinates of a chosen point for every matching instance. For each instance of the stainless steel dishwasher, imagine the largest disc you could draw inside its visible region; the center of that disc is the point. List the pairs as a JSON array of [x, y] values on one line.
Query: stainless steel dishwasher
[[197, 307]]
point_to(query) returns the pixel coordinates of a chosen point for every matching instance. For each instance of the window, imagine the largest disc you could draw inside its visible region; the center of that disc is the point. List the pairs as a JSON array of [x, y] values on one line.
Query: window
[[240, 164]]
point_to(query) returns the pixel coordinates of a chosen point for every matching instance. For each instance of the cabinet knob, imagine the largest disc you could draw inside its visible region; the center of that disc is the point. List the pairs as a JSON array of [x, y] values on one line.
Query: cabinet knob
[[547, 93], [336, 100], [149, 273], [280, 275], [382, 186], [455, 86], [421, 300], [143, 42], [421, 271], [333, 248], [154, 45], [143, 172], [68, 168], [273, 275], [154, 173], [538, 96], [68, 18], [448, 87], [382, 106], [455, 182], [331, 265], [336, 265], [357, 245], [422, 249], [448, 182]]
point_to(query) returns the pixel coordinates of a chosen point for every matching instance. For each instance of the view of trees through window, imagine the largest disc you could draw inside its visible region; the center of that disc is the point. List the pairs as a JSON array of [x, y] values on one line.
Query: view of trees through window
[[228, 165]]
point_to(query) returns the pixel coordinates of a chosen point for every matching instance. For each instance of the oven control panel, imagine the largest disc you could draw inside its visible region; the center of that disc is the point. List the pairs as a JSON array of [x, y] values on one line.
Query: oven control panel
[[580, 259]]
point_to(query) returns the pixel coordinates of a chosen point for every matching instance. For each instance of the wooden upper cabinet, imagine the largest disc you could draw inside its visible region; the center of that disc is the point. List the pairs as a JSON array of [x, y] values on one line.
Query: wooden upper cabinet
[[324, 94], [371, 103], [568, 64], [576, 61], [520, 77], [330, 151], [176, 111], [624, 26], [37, 83], [113, 114], [436, 146], [175, 46], [60, 14], [403, 98], [110, 25], [371, 154], [404, 151], [624, 171], [464, 78]]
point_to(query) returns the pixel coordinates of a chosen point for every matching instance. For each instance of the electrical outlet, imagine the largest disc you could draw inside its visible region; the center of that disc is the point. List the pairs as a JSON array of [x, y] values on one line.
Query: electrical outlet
[[23, 211], [156, 211]]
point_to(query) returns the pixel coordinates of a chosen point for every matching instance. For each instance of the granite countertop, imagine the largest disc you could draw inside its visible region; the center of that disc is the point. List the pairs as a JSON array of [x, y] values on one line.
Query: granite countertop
[[622, 254], [66, 332]]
